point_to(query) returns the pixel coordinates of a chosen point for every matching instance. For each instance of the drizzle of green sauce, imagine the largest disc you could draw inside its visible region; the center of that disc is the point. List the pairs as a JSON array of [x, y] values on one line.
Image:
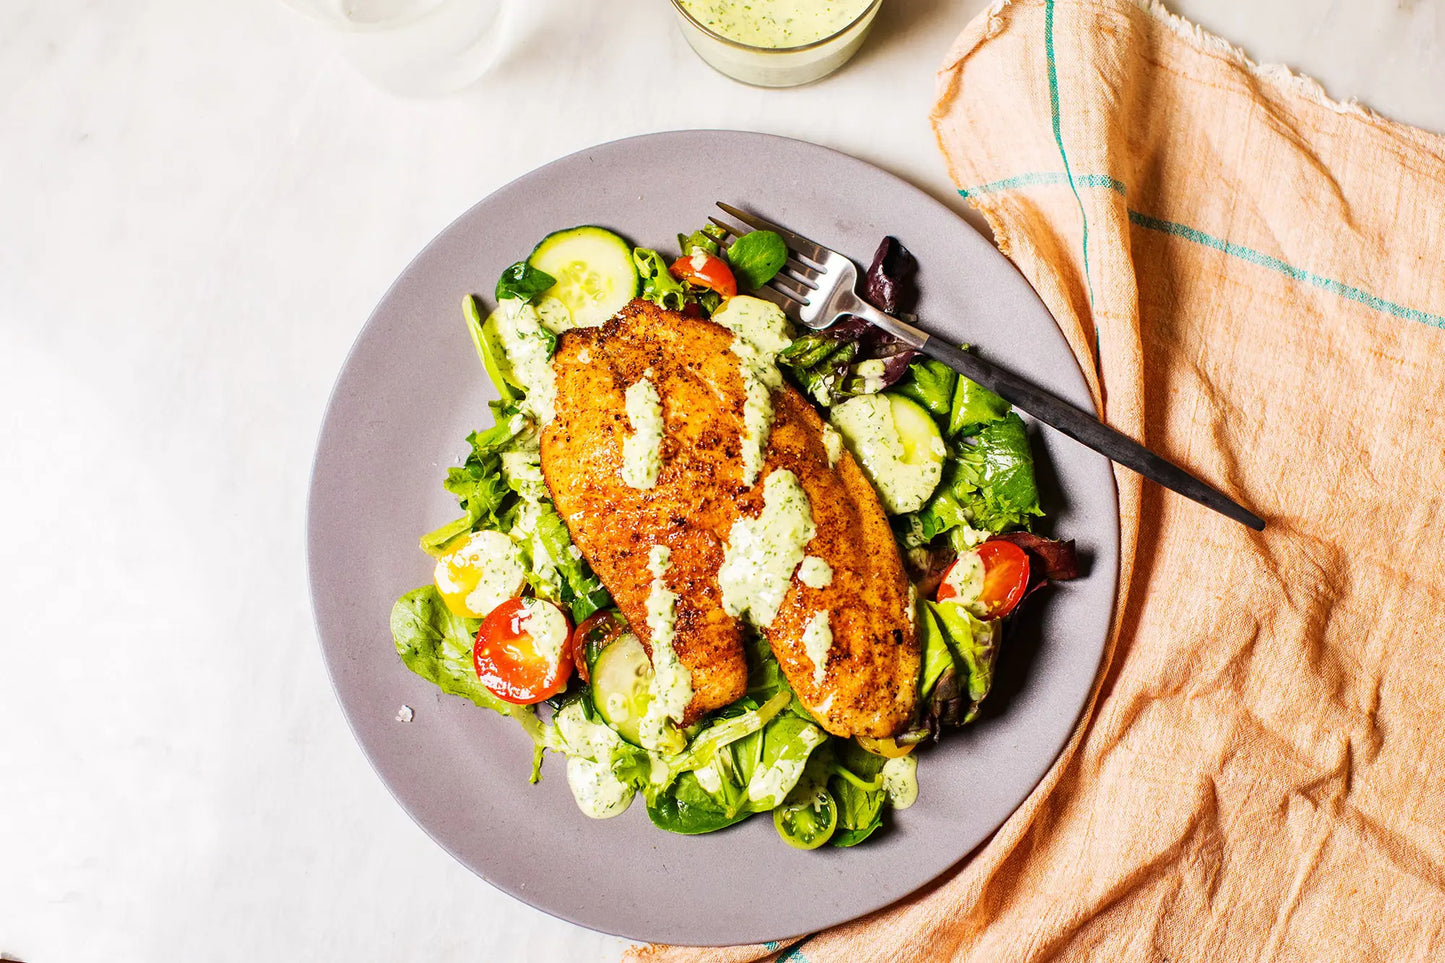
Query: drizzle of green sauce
[[762, 553], [775, 23]]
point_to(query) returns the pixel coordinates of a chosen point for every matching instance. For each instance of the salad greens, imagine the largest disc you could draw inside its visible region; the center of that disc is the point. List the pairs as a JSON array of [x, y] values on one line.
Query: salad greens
[[658, 284], [436, 644], [523, 282], [756, 257], [764, 752]]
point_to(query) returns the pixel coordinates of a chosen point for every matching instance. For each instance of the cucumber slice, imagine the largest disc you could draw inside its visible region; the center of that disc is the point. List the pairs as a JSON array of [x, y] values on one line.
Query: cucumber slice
[[898, 444], [594, 270], [621, 686]]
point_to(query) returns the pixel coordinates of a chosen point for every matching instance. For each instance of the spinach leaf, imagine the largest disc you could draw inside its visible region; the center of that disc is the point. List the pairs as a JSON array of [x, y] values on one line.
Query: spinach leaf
[[857, 785], [523, 282], [787, 742], [972, 407], [765, 678], [756, 257], [437, 645], [658, 284], [931, 384], [687, 808], [715, 794]]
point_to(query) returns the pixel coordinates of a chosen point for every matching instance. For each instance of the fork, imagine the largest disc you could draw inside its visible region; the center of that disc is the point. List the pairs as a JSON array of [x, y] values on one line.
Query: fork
[[819, 285]]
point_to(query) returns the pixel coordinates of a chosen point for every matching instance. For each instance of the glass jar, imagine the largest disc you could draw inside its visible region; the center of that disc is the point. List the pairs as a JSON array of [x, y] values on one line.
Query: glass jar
[[775, 66]]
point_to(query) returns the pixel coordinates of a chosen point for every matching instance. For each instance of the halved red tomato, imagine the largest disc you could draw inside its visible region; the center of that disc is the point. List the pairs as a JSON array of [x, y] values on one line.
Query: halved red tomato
[[705, 271], [1005, 578], [592, 636], [523, 652]]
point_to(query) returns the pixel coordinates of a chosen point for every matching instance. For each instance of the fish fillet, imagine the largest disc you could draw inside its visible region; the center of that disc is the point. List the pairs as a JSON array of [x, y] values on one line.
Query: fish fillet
[[869, 682]]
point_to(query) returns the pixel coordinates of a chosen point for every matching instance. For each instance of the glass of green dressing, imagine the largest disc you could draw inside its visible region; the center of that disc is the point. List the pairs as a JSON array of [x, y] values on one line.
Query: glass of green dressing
[[776, 43]]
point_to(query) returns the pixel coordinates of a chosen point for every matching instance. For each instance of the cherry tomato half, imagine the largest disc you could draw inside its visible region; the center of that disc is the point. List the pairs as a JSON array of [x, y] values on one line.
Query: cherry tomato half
[[523, 652], [705, 271], [592, 636], [1005, 578]]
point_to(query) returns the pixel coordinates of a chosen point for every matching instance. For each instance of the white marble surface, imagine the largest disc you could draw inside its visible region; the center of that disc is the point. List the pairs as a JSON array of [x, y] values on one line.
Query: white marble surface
[[201, 202]]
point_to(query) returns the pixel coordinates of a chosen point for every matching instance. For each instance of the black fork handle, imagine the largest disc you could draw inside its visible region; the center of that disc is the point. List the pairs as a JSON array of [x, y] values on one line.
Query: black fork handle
[[1086, 429]]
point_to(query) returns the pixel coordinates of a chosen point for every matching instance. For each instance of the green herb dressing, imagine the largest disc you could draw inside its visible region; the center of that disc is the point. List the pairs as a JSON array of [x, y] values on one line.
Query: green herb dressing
[[900, 781], [762, 553], [760, 331], [554, 315], [599, 793], [671, 688], [817, 640], [528, 344], [589, 747], [642, 450], [497, 560], [815, 573], [874, 373], [965, 577], [832, 444], [547, 626], [775, 23]]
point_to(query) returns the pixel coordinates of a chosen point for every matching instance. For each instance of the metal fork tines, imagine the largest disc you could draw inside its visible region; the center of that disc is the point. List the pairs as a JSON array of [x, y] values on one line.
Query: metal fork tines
[[816, 286], [819, 285]]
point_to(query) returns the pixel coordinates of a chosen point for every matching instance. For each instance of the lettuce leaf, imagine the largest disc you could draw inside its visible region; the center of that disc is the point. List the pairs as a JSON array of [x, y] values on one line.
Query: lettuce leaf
[[479, 484], [931, 384], [658, 284], [972, 407], [975, 644], [987, 484], [437, 645], [1002, 476], [580, 590]]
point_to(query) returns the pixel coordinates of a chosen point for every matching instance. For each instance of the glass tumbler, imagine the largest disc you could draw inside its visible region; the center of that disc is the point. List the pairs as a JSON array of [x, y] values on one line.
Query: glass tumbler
[[415, 47]]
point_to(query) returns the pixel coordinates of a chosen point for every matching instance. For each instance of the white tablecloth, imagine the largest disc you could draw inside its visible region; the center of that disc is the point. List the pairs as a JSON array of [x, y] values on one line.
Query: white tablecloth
[[200, 203]]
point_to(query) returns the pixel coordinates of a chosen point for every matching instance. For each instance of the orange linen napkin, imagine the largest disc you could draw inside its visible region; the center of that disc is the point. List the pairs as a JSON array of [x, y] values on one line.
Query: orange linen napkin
[[1253, 278]]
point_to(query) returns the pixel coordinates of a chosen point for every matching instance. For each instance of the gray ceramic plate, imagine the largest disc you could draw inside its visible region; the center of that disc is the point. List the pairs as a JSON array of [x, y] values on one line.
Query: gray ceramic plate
[[412, 389]]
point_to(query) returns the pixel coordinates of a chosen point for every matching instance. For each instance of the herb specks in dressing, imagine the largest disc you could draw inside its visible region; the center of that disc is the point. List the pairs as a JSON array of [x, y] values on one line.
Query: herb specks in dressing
[[671, 682], [642, 450], [529, 345], [832, 444], [760, 331], [817, 640], [815, 573], [775, 23], [762, 553]]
